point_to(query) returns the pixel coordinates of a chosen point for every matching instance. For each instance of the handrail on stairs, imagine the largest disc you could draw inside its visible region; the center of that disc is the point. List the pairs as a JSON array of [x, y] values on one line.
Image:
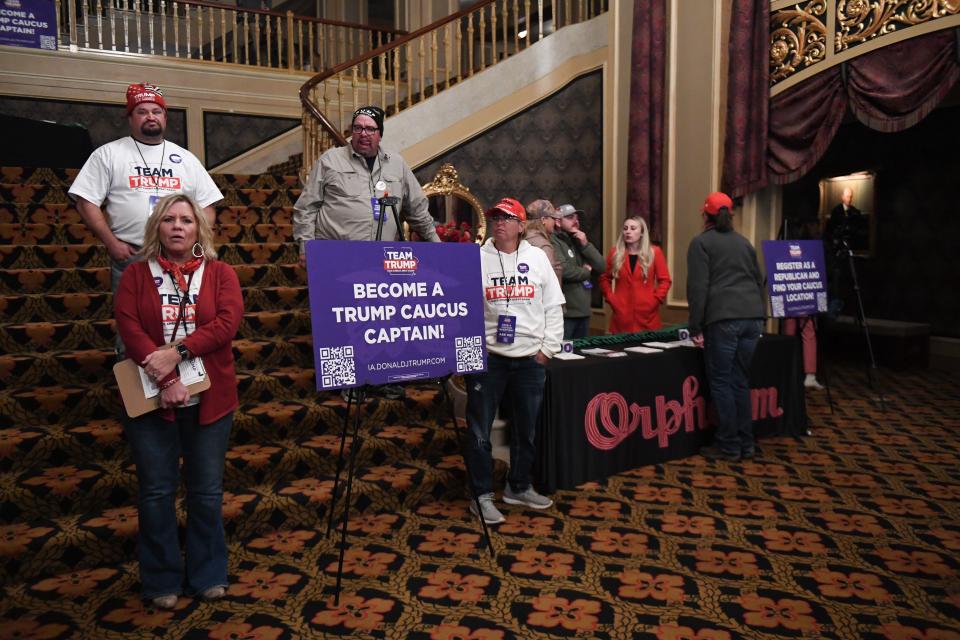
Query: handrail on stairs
[[402, 73]]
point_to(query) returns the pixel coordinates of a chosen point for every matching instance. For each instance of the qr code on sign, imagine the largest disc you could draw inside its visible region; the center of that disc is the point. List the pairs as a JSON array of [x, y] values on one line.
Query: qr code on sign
[[821, 301], [48, 42], [469, 354], [337, 367], [777, 303]]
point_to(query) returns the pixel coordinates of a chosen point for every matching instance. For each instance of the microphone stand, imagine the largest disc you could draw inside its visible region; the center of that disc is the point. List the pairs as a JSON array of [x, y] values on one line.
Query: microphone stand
[[783, 232], [359, 395], [383, 203]]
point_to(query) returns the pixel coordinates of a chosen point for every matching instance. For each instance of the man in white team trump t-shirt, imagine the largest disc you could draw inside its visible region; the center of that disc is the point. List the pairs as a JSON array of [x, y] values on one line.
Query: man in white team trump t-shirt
[[121, 181], [523, 323]]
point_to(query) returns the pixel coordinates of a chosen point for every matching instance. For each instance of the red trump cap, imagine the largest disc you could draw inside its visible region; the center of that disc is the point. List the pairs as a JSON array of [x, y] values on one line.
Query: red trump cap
[[716, 201], [510, 207]]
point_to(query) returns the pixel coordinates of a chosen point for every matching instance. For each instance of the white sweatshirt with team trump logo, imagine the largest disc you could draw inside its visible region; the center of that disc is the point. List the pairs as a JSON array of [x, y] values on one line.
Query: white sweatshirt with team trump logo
[[521, 284]]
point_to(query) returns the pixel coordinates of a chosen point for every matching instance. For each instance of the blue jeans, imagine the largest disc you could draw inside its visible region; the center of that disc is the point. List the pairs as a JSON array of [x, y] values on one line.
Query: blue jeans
[[525, 378], [728, 348], [157, 446], [574, 328]]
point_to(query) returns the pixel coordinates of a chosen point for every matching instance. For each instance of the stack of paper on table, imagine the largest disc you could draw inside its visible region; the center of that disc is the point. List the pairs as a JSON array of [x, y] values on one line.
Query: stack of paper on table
[[642, 349], [670, 345]]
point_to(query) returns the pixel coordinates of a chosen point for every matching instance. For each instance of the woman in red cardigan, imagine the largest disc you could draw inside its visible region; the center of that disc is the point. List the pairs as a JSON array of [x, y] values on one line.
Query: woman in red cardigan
[[178, 294], [636, 280]]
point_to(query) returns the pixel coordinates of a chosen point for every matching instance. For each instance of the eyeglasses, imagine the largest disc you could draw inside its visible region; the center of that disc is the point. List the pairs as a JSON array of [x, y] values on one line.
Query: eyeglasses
[[498, 218], [367, 130]]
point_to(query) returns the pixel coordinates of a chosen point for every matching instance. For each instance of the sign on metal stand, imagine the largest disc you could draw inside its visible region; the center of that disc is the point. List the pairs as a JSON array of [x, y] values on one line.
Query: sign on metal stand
[[389, 313]]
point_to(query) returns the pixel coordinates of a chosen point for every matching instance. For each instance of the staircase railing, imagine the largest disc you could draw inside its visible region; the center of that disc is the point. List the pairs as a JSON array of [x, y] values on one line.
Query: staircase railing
[[213, 32], [421, 64]]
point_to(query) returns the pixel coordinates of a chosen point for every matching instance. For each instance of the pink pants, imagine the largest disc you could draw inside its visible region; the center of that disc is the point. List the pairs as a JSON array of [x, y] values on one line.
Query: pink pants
[[809, 339]]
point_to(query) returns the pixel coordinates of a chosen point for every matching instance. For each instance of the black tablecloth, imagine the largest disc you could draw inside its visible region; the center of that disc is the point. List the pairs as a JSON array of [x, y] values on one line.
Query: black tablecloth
[[602, 415]]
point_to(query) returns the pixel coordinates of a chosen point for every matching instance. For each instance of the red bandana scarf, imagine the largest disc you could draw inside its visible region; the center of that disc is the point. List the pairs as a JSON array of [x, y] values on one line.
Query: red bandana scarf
[[178, 271]]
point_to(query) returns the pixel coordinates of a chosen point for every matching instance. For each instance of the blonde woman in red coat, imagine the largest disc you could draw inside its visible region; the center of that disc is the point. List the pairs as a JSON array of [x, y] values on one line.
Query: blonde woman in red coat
[[636, 280], [179, 294]]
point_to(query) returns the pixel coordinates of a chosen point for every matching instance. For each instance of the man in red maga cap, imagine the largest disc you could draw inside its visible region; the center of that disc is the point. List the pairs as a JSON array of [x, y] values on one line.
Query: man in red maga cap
[[119, 184], [523, 324], [727, 306]]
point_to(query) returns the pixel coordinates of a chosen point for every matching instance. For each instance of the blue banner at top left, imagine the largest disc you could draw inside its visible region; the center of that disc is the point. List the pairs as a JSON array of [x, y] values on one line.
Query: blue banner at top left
[[28, 23]]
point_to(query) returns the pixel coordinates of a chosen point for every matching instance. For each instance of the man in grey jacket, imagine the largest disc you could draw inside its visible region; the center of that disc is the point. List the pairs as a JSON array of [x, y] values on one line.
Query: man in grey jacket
[[578, 259], [727, 307], [339, 199], [337, 202]]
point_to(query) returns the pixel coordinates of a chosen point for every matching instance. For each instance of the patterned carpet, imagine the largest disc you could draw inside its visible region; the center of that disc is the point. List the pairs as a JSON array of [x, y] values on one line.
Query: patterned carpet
[[853, 532]]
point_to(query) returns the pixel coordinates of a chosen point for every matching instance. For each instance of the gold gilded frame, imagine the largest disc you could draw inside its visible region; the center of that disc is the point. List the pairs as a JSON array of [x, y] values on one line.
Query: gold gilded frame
[[447, 183]]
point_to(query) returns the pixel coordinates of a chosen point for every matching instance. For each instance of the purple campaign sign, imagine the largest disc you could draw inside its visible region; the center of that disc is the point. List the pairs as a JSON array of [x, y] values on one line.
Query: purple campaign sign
[[796, 277], [388, 312], [28, 23]]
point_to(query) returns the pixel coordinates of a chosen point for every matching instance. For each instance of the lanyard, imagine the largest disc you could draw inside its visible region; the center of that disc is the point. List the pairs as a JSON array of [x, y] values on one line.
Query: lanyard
[[163, 154], [183, 305], [503, 271]]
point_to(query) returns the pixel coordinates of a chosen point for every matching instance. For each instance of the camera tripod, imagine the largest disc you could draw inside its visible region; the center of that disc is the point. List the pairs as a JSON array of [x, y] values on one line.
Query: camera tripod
[[842, 249]]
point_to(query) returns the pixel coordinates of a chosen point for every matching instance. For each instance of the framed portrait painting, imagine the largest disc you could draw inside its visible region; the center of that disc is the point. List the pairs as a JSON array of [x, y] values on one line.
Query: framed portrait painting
[[847, 213]]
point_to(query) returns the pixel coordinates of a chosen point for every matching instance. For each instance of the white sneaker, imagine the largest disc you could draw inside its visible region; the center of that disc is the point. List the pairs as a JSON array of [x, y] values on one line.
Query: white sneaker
[[165, 602], [528, 498], [491, 515], [810, 382], [214, 593]]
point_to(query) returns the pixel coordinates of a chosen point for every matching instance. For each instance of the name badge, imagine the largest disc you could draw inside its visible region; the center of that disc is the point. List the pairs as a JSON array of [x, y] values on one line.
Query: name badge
[[375, 205], [506, 329], [151, 204]]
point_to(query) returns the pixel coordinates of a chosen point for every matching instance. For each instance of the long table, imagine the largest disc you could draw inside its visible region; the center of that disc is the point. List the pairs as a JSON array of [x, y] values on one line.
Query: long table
[[602, 416]]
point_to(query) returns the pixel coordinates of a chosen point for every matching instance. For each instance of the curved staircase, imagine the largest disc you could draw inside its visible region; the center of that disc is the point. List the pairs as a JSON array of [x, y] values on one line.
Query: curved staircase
[[67, 484]]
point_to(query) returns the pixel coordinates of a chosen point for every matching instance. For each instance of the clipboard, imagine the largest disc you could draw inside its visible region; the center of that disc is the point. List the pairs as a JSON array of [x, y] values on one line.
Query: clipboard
[[135, 403]]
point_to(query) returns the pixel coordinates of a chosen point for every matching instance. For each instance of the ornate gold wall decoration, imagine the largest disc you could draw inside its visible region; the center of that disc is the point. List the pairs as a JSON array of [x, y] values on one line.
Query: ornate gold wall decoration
[[798, 38], [858, 21], [801, 32]]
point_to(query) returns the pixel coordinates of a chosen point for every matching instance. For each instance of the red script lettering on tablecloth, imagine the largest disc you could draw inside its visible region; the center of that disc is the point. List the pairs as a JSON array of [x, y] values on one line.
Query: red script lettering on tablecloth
[[618, 420]]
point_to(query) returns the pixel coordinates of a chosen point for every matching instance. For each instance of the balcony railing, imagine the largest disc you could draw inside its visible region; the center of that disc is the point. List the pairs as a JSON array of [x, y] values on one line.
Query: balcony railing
[[421, 64], [212, 32]]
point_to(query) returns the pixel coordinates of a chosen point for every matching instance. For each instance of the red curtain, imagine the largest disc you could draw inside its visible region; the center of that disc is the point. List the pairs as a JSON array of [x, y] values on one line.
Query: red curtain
[[748, 71], [894, 88], [803, 121], [647, 82], [889, 89]]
